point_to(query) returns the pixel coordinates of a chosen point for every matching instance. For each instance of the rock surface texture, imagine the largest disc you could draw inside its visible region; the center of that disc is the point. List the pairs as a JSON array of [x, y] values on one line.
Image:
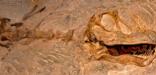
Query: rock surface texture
[[77, 37]]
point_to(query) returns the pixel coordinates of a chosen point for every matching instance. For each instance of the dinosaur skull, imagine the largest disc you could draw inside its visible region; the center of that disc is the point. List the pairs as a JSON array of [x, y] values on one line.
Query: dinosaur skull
[[129, 33]]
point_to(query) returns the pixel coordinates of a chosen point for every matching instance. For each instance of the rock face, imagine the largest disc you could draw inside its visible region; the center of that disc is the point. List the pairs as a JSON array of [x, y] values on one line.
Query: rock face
[[48, 37]]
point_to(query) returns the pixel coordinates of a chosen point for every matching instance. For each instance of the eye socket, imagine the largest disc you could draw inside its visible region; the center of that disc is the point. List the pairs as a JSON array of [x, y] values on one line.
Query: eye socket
[[108, 22]]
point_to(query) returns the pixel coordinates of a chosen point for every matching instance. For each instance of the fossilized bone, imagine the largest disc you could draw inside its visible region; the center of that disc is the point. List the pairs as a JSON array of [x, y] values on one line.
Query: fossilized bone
[[125, 36]]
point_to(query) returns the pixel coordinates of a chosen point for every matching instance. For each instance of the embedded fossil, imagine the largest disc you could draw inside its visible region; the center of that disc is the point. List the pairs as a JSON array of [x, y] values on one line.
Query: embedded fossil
[[125, 36]]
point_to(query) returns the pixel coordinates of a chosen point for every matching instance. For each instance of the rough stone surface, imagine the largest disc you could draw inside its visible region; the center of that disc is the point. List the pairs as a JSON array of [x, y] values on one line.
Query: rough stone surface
[[50, 40]]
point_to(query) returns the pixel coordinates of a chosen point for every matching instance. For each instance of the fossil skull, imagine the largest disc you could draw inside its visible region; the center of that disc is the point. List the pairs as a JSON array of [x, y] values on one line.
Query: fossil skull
[[124, 32]]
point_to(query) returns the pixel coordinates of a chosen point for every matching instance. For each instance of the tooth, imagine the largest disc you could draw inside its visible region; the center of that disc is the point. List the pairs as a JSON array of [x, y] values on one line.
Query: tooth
[[153, 51], [145, 46], [137, 53], [148, 51], [134, 52]]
